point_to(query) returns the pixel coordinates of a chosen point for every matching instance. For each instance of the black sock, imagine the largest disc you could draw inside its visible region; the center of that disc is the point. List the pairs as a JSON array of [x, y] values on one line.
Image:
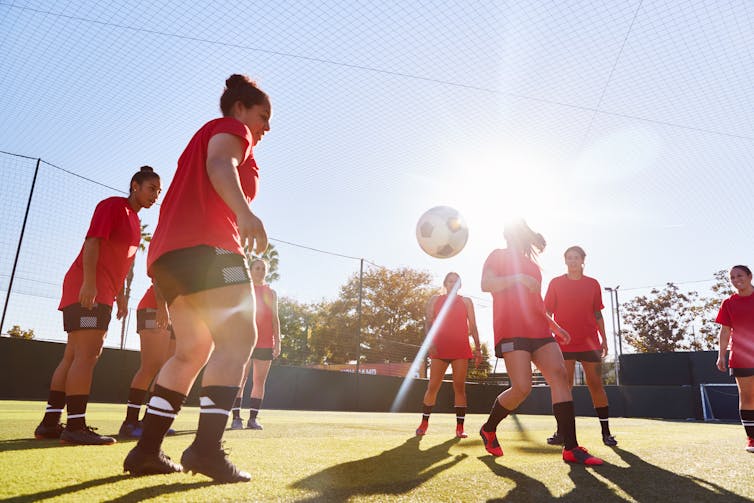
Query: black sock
[[602, 413], [254, 406], [497, 414], [237, 408], [460, 415], [162, 408], [426, 411], [747, 420], [216, 402], [566, 418], [76, 408], [136, 399], [55, 406]]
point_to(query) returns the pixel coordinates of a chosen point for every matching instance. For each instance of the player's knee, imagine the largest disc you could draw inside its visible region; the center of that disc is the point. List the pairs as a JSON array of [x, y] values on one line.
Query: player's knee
[[519, 391]]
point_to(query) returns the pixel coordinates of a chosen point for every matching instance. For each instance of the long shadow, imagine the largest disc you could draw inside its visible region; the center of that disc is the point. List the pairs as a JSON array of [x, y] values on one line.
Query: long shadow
[[159, 491], [393, 472], [60, 491], [644, 481], [24, 444]]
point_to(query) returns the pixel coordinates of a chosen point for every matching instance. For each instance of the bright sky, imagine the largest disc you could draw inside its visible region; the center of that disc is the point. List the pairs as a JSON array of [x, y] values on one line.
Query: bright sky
[[624, 127]]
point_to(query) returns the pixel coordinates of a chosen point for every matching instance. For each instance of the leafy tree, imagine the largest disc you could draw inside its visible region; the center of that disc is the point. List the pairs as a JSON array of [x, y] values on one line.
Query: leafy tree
[[661, 322], [295, 330], [18, 332], [272, 258], [706, 312], [146, 237]]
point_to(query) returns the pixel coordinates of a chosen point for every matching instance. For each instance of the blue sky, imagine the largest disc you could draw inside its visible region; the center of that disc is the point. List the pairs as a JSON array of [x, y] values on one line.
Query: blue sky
[[625, 127]]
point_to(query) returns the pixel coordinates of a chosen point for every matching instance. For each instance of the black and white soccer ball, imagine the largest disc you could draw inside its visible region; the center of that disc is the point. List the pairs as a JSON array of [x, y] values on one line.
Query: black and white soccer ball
[[442, 232]]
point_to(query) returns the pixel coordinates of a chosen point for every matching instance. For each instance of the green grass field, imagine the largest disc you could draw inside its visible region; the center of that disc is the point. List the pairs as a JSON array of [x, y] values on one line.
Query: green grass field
[[338, 456]]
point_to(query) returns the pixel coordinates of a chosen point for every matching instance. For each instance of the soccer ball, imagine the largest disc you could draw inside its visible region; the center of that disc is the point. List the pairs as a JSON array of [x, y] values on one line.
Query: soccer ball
[[442, 232]]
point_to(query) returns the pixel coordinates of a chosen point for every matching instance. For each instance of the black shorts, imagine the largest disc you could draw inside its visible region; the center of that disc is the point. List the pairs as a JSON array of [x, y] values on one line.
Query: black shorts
[[593, 356], [262, 354], [742, 372], [146, 319], [76, 317], [520, 344], [199, 268]]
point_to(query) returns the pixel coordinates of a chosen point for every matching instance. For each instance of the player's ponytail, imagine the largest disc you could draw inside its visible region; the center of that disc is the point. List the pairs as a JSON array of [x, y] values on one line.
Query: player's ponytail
[[519, 235], [241, 88], [145, 173]]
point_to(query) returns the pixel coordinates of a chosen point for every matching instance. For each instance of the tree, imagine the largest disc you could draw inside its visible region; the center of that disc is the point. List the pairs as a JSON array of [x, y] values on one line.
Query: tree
[[706, 312], [482, 371], [272, 258], [146, 237], [661, 322], [295, 330], [18, 332]]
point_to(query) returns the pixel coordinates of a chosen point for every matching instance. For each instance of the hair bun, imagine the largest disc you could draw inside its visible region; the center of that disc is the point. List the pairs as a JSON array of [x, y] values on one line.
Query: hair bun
[[237, 80], [146, 169]]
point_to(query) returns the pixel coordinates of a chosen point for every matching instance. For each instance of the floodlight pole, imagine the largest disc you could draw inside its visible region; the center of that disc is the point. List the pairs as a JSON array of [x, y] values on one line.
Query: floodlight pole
[[358, 310], [18, 248], [616, 334]]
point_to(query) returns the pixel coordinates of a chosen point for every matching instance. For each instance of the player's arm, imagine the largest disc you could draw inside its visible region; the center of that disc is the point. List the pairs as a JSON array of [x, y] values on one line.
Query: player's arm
[[601, 332], [560, 333], [473, 331], [89, 255], [122, 302], [224, 153], [163, 316], [723, 349], [493, 283], [275, 326]]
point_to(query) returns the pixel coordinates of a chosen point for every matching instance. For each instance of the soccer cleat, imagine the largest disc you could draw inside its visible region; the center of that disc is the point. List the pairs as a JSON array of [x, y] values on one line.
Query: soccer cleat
[[236, 424], [581, 456], [556, 439], [44, 431], [422, 429], [750, 445], [252, 424], [609, 440], [139, 463], [459, 432], [85, 436], [130, 430], [214, 465], [489, 439]]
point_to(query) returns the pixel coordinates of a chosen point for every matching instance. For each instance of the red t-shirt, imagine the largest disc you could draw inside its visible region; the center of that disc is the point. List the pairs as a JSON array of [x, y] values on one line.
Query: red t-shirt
[[451, 340], [265, 299], [148, 301], [516, 311], [192, 212], [573, 303], [737, 312], [118, 228]]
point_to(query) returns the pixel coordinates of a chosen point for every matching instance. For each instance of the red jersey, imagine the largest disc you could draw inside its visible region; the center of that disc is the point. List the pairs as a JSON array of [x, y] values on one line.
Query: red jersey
[[193, 213], [118, 228], [573, 303], [737, 312], [265, 298], [451, 340], [516, 311], [148, 301]]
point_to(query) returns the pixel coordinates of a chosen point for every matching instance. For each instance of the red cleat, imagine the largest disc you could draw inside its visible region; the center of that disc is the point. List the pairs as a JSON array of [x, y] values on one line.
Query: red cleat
[[489, 439], [581, 456], [750, 445], [422, 429], [459, 432]]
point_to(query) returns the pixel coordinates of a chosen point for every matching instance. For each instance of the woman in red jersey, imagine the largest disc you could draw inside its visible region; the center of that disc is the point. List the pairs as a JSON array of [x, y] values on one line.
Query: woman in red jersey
[[93, 282], [157, 345], [736, 318], [196, 260], [267, 348], [575, 302], [523, 335], [450, 346]]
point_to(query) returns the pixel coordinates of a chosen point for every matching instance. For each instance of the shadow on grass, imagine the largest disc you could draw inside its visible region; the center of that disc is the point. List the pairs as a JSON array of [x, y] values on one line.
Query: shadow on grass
[[60, 491], [23, 444], [393, 472], [160, 491]]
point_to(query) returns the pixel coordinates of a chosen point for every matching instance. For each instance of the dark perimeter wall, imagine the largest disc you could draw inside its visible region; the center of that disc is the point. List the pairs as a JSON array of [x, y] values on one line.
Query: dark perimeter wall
[[26, 367]]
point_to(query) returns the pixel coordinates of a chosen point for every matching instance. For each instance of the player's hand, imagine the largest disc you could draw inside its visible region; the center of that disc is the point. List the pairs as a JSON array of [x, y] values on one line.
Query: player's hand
[[276, 350], [163, 317], [721, 364], [529, 282], [122, 304], [252, 233], [604, 349], [87, 294], [562, 336], [477, 357]]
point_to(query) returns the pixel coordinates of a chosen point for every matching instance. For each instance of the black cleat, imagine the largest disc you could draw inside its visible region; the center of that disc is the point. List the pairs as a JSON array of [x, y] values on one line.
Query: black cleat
[[130, 430], [44, 431], [139, 463], [252, 424], [85, 436], [609, 440], [214, 465], [556, 439]]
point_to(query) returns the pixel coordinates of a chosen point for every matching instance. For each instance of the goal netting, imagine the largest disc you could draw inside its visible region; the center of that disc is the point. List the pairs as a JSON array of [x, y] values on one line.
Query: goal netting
[[719, 402]]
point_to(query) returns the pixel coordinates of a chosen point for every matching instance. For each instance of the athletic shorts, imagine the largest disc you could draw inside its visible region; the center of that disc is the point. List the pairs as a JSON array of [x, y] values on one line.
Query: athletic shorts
[[190, 270], [449, 360], [262, 354], [520, 344], [76, 317], [593, 356], [146, 319], [741, 372]]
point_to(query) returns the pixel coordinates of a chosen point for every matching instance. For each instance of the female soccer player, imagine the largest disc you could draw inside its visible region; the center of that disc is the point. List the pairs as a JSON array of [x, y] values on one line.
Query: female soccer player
[[523, 335], [736, 318], [575, 302], [157, 345], [93, 282], [267, 348], [450, 346], [196, 260]]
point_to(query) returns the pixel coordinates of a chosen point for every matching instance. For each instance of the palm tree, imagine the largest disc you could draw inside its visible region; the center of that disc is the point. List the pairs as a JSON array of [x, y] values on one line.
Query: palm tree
[[146, 237]]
